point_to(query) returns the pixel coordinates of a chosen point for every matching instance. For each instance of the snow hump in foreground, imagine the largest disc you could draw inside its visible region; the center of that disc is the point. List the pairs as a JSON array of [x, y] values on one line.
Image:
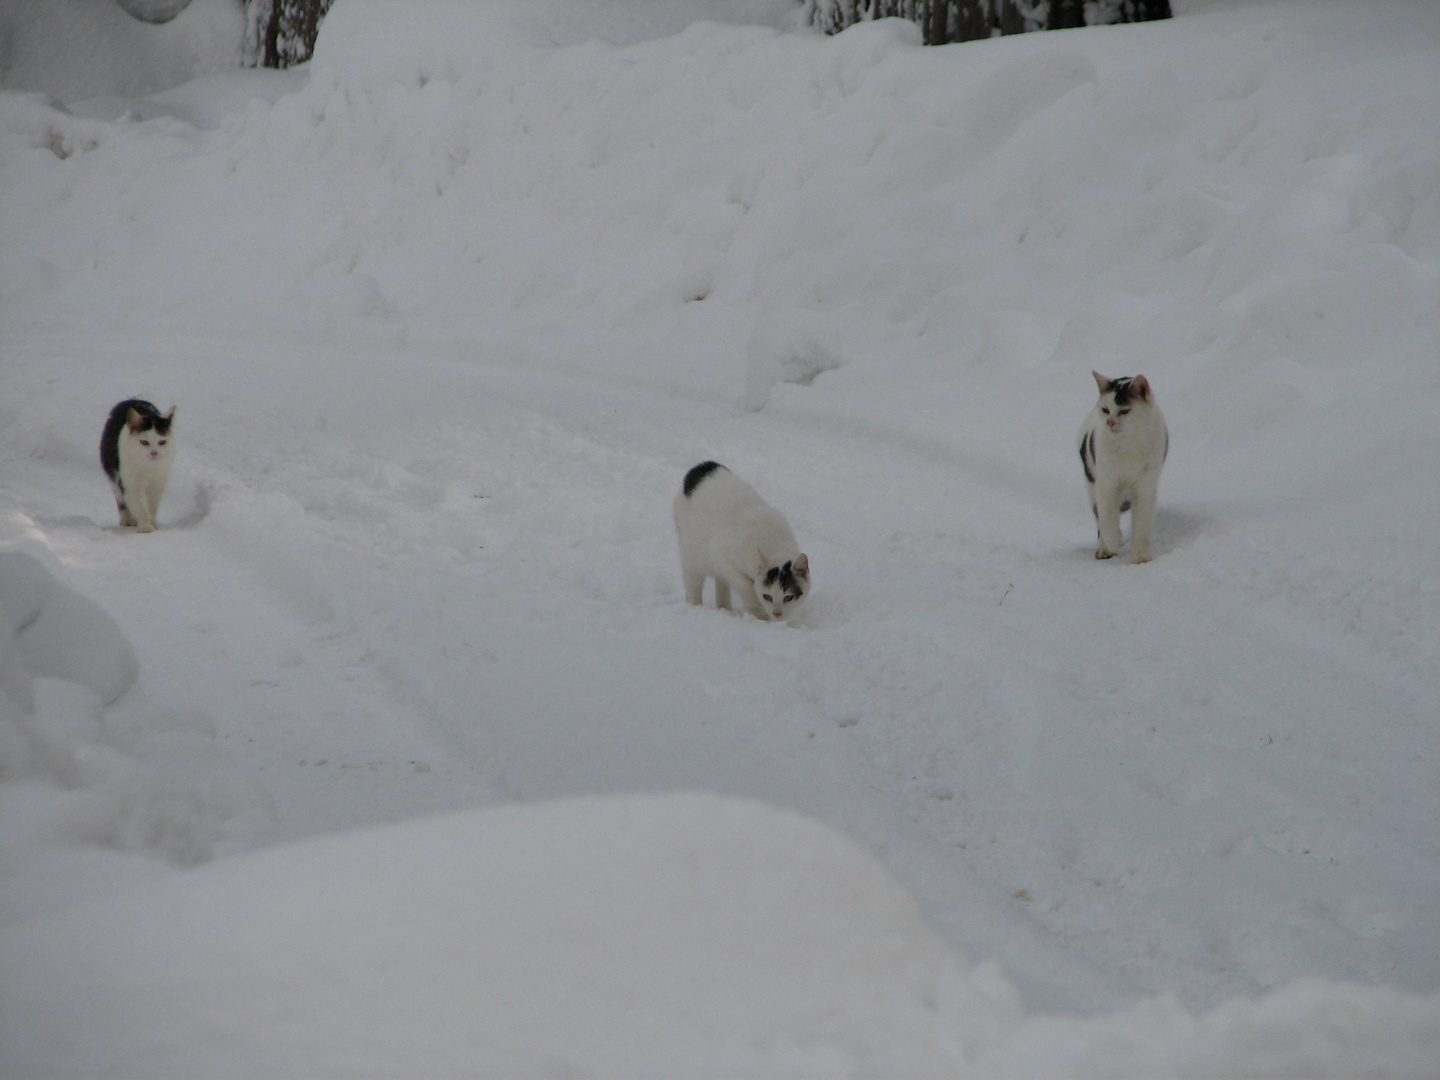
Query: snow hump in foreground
[[646, 935]]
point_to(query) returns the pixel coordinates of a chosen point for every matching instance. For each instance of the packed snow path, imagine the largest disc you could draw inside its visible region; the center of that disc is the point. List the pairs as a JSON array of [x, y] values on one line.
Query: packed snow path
[[402, 583]]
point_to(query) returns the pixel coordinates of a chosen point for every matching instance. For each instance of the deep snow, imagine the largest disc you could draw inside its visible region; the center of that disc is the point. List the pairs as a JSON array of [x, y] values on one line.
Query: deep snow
[[448, 314]]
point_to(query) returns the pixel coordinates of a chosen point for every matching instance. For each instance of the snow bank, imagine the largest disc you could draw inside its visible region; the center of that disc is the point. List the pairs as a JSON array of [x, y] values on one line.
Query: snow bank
[[85, 762], [80, 49], [657, 935], [621, 936], [1310, 1030]]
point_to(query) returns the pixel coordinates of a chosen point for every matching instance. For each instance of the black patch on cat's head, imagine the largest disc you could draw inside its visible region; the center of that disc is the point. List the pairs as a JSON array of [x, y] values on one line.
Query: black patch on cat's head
[[698, 473], [788, 579], [147, 416], [1131, 389]]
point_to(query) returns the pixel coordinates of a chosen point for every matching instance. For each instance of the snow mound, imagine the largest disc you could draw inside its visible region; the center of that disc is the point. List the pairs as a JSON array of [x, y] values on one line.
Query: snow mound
[[790, 347], [58, 633], [1311, 1029], [78, 49], [628, 935], [85, 760], [631, 935]]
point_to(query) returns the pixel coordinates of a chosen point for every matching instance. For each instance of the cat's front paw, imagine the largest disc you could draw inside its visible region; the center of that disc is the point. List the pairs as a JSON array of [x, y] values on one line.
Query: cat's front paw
[[145, 528], [1101, 553], [1140, 556]]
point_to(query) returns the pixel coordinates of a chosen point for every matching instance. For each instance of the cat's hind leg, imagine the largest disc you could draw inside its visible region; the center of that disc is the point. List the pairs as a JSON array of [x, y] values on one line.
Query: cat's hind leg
[[127, 520], [722, 593], [694, 585], [1107, 524]]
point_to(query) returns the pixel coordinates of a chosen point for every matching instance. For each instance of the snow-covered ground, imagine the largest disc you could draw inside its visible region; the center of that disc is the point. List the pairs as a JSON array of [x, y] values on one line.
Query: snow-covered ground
[[397, 749]]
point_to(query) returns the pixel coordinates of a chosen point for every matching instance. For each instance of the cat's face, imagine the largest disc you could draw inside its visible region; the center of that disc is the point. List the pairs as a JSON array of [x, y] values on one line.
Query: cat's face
[[148, 438], [1122, 400], [781, 589]]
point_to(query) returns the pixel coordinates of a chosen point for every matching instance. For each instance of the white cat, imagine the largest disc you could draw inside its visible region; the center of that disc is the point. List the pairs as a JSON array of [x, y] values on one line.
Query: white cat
[[727, 532], [135, 451], [1123, 444]]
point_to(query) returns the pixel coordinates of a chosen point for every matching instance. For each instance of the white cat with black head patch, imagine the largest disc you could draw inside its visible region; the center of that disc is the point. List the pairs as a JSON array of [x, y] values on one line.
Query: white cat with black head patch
[[729, 533], [1123, 444], [135, 451]]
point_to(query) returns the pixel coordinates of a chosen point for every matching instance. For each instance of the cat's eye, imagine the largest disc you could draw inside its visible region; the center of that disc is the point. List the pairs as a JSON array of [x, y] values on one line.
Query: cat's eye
[[767, 597], [162, 442], [144, 442], [1104, 410], [1124, 411]]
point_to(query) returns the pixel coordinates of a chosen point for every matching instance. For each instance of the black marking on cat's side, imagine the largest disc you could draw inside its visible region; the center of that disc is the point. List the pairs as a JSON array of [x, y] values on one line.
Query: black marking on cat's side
[[149, 417], [1087, 455], [698, 473]]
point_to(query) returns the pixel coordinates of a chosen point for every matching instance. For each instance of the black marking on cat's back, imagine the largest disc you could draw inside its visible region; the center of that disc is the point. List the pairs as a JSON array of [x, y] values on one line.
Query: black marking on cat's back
[[110, 438], [699, 473]]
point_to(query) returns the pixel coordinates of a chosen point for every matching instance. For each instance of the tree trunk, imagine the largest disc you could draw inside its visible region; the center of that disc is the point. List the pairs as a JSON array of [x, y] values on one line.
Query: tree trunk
[[944, 21], [282, 33]]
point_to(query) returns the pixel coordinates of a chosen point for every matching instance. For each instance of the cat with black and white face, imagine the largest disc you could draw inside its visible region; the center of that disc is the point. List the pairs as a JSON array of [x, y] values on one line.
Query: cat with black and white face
[[1123, 444], [135, 451], [729, 533]]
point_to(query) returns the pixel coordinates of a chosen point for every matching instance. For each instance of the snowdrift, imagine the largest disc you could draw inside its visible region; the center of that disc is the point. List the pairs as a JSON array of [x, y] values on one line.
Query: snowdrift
[[87, 764], [621, 936]]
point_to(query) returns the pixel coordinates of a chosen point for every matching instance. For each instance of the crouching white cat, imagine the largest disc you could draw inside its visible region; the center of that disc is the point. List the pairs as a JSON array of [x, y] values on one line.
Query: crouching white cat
[[1123, 444], [727, 532], [135, 451]]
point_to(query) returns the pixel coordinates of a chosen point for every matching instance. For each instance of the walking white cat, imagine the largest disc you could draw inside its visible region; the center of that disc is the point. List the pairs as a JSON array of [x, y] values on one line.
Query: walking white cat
[[1123, 444], [729, 533], [135, 452]]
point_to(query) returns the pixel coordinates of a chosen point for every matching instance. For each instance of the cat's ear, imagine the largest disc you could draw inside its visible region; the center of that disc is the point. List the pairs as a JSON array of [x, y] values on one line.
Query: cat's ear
[[133, 421], [1141, 386], [801, 567], [761, 564], [1102, 382], [171, 414]]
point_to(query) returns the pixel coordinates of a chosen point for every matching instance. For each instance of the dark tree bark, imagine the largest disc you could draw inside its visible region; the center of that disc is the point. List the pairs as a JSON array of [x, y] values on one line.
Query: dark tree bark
[[1065, 14], [282, 33], [944, 21]]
